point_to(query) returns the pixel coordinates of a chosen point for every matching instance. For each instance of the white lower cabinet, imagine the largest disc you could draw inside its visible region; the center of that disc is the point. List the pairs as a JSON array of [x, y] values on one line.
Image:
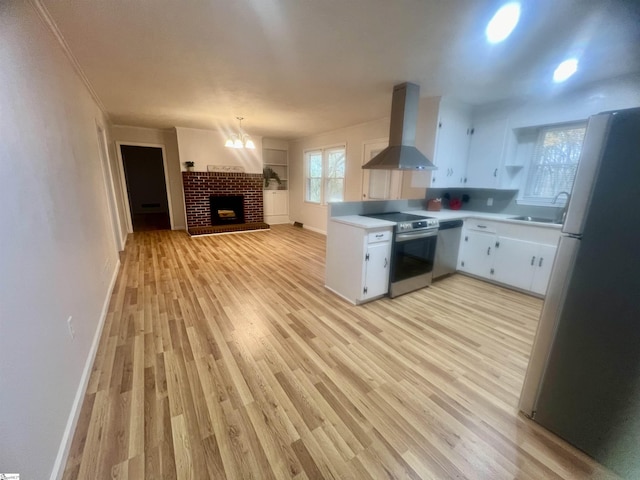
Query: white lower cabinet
[[544, 262], [276, 206], [514, 262], [517, 260], [357, 265], [475, 253]]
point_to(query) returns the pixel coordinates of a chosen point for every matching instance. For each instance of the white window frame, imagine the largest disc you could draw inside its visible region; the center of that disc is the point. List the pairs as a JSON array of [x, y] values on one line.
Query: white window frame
[[526, 199], [324, 151]]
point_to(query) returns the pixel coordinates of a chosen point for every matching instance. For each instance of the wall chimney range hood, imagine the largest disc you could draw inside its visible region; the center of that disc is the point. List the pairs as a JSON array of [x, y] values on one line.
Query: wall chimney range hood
[[401, 154]]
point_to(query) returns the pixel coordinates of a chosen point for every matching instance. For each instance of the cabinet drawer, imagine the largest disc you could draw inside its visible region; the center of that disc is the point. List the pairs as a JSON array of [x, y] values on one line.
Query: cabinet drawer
[[479, 226], [374, 237]]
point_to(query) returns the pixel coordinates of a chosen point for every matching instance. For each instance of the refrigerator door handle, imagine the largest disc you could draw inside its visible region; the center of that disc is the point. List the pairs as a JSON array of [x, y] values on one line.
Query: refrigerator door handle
[[556, 292]]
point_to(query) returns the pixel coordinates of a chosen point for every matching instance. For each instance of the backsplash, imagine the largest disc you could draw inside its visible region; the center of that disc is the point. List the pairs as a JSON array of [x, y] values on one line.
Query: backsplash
[[504, 201]]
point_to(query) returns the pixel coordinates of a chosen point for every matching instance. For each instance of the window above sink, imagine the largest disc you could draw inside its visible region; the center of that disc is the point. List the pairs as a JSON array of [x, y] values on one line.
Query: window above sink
[[551, 155]]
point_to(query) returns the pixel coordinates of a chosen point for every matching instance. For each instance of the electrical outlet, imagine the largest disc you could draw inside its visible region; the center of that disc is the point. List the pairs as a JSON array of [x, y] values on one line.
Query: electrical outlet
[[489, 202], [72, 332]]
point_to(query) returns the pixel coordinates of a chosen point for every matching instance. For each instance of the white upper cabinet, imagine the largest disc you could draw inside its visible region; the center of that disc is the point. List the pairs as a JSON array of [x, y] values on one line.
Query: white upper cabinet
[[486, 152], [452, 144]]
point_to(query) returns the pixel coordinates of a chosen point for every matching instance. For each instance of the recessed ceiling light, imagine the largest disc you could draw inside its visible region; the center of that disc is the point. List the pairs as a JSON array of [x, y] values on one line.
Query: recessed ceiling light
[[503, 22], [565, 70]]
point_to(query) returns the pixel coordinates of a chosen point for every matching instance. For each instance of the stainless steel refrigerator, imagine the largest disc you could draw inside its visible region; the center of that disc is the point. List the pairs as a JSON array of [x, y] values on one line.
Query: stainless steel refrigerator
[[583, 380]]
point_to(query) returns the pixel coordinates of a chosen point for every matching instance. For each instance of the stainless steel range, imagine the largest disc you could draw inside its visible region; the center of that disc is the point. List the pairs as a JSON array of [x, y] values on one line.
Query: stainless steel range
[[413, 251]]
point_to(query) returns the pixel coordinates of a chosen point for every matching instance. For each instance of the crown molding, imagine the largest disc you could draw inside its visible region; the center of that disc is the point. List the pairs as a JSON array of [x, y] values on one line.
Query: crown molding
[[46, 18]]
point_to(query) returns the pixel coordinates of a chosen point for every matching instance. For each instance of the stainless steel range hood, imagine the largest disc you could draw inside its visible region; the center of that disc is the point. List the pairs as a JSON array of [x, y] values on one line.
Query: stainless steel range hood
[[401, 154]]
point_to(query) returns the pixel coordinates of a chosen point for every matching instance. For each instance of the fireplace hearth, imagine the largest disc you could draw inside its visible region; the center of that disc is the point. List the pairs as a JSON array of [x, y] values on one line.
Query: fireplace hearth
[[226, 209]]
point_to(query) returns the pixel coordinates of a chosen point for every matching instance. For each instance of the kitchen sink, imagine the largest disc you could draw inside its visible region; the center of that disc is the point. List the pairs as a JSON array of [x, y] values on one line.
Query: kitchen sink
[[524, 218]]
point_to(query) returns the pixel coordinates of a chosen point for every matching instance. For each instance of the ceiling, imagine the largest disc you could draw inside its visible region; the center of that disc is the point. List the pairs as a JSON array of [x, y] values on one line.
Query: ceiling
[[298, 67]]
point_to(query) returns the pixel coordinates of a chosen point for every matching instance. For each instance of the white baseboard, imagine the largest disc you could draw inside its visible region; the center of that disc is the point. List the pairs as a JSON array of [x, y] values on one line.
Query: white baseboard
[[340, 295], [67, 437], [317, 230]]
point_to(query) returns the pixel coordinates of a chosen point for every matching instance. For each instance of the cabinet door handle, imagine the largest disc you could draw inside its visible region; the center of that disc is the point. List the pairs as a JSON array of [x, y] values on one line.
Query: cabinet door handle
[[481, 226], [385, 262], [495, 172], [379, 235], [533, 260], [540, 262], [489, 251], [433, 180]]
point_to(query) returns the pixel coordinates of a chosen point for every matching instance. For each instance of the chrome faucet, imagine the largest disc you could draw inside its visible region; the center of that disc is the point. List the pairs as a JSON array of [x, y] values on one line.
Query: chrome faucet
[[563, 213]]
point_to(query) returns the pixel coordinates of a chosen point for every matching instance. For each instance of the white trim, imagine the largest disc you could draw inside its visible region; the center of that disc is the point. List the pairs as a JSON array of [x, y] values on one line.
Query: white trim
[[123, 179], [112, 206], [326, 147], [323, 150], [46, 18], [74, 415], [314, 229]]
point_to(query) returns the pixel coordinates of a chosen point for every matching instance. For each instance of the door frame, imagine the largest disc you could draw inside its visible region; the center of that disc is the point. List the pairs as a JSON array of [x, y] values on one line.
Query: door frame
[[123, 180], [107, 175], [395, 187]]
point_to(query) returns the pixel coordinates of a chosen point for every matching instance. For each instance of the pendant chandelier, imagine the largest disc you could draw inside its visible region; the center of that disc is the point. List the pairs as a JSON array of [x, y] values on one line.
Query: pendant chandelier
[[240, 140]]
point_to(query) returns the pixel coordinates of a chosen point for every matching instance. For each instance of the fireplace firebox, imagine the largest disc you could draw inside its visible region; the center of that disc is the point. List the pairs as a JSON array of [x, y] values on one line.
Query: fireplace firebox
[[226, 209]]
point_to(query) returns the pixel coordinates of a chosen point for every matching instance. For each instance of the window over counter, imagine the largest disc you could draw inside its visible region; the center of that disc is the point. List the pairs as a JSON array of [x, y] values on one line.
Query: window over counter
[[553, 163], [324, 174]]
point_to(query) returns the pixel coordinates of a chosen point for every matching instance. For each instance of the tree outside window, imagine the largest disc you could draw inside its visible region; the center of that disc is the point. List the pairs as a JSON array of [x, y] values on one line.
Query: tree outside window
[[555, 162], [325, 172]]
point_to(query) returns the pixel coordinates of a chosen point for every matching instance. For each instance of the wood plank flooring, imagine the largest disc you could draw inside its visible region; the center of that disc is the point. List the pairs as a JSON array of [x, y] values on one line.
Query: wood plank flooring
[[225, 357]]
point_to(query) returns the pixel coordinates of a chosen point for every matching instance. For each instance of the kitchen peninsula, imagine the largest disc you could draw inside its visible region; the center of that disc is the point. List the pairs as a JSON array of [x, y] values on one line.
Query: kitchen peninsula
[[496, 247]]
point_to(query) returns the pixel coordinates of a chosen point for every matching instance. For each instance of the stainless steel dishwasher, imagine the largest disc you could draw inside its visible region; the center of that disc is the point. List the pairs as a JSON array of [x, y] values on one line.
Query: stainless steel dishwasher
[[446, 259]]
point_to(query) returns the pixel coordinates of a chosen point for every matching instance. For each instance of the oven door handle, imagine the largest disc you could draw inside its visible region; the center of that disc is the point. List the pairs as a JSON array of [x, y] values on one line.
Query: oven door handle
[[405, 237]]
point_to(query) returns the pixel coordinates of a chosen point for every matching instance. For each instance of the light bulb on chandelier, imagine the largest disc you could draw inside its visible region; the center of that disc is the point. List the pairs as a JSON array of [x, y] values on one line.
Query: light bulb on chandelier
[[240, 140]]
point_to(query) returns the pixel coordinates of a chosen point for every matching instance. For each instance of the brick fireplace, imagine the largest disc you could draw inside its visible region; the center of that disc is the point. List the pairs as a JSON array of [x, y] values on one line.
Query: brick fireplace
[[200, 186]]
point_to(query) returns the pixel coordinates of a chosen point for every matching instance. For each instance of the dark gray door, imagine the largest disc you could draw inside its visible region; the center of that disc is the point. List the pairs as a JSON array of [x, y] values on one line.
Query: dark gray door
[[146, 187]]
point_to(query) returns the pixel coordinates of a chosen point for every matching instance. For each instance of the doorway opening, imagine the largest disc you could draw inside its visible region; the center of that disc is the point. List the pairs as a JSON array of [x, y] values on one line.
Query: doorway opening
[[146, 187]]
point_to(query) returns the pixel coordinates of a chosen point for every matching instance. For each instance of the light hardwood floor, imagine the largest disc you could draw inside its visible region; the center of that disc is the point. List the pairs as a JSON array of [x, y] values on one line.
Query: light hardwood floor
[[225, 357]]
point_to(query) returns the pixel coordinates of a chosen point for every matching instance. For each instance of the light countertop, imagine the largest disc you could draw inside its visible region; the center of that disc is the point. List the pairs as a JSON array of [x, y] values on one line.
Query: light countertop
[[363, 222], [367, 222], [464, 214]]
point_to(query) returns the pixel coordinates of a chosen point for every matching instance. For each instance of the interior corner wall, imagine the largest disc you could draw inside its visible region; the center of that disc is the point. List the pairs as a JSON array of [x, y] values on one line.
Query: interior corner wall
[[169, 140], [315, 216], [413, 186], [57, 249]]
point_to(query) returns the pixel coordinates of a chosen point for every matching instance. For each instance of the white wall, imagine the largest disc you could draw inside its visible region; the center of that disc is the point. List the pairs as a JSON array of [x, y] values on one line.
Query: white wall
[[57, 250], [275, 144], [206, 147], [315, 216], [571, 105], [563, 106], [169, 140]]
